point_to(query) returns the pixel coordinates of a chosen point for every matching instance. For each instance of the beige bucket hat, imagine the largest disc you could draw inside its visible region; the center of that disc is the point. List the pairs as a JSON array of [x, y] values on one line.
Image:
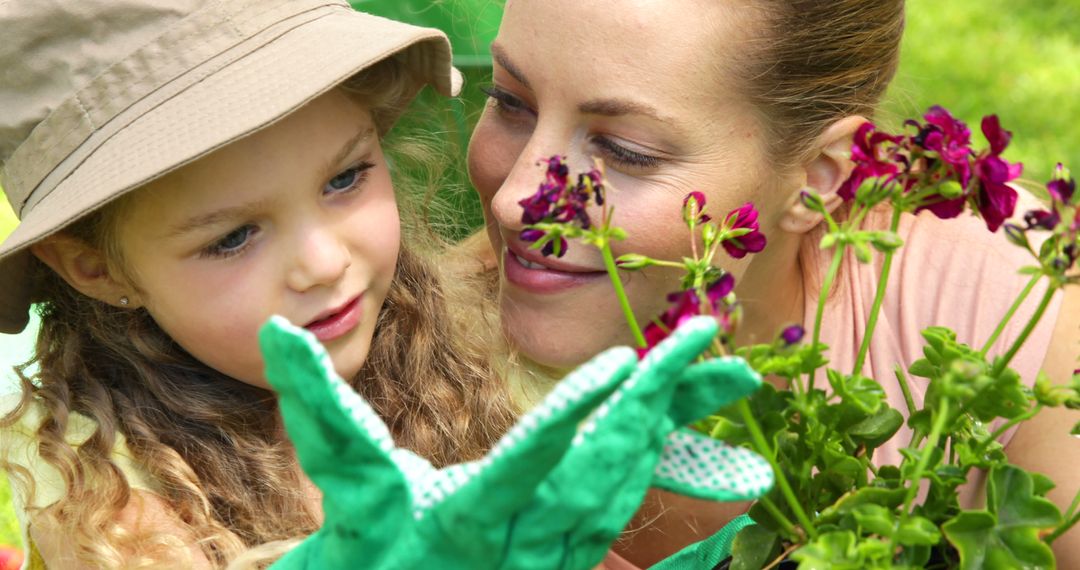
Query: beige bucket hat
[[99, 97]]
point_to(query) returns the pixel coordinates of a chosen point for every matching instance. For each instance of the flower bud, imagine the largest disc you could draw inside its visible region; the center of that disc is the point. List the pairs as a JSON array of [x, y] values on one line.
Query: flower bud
[[792, 335], [950, 189], [886, 241], [862, 252], [693, 206], [812, 201], [1016, 236], [633, 261]]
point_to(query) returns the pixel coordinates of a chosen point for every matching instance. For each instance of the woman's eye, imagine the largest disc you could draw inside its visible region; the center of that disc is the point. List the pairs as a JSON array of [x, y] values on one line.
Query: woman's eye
[[232, 243], [624, 156], [506, 103], [348, 179]]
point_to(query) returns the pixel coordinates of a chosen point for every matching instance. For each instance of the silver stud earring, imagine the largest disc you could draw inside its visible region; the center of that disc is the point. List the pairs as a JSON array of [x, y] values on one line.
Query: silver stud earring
[[124, 301]]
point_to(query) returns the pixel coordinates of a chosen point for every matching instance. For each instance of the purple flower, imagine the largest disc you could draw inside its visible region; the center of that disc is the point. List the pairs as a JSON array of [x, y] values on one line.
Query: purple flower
[[1062, 187], [1042, 219], [792, 335], [995, 199], [686, 305], [743, 217], [949, 139], [872, 159], [556, 201], [693, 207]]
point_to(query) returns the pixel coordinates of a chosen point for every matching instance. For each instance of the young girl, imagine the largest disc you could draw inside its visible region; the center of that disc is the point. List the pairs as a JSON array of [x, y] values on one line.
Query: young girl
[[183, 171]]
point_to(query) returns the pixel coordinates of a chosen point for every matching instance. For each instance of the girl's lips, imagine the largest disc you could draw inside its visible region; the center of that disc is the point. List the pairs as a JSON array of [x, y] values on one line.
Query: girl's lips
[[339, 322], [534, 277]]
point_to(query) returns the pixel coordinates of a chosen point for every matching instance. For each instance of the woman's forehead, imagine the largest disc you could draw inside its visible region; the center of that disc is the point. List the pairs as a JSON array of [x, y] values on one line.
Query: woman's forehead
[[678, 46]]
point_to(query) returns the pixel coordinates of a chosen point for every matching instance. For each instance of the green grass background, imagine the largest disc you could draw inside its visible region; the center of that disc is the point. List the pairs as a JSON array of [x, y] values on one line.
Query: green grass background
[[1019, 59]]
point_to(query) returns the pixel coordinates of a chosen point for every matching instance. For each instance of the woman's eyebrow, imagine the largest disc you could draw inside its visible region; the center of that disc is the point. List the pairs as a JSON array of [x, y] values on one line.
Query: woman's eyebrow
[[619, 107], [504, 62]]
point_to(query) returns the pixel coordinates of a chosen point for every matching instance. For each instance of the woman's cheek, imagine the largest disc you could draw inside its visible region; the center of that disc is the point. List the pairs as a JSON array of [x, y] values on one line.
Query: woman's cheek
[[492, 154]]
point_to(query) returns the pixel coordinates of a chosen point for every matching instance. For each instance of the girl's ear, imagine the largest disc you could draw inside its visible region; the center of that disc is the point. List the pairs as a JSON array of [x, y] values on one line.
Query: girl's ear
[[84, 268], [824, 173]]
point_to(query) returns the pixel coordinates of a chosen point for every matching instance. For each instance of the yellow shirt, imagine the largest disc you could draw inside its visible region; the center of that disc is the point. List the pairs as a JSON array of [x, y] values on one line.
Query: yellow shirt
[[18, 446]]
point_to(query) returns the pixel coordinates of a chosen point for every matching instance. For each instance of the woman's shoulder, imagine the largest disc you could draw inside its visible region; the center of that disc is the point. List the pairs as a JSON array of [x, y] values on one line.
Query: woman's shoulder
[[956, 273]]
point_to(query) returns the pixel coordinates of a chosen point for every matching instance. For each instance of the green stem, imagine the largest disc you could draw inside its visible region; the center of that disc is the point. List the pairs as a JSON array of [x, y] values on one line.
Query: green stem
[[763, 448], [624, 302], [1069, 523], [823, 296], [1073, 507], [1009, 315], [1003, 362], [935, 434], [1011, 423], [901, 378], [879, 298], [777, 514]]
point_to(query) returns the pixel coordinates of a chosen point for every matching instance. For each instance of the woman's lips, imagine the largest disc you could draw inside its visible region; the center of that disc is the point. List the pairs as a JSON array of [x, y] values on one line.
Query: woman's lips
[[339, 322], [532, 275]]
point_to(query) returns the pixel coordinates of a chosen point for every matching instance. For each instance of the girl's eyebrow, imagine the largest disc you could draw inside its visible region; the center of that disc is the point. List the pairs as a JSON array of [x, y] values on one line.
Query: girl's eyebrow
[[246, 210], [366, 132], [214, 218]]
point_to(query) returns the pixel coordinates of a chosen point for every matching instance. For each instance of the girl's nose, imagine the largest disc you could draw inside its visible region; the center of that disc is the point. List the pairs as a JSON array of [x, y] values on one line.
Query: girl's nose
[[320, 258]]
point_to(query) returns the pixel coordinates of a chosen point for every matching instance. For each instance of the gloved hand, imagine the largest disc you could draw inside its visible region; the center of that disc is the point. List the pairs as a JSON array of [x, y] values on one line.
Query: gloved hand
[[554, 492]]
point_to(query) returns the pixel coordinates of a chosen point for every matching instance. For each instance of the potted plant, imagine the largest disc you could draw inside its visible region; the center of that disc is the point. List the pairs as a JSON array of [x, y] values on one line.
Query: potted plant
[[833, 506]]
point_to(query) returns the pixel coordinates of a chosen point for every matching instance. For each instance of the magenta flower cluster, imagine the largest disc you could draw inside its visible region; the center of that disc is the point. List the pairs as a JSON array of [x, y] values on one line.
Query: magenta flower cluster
[[1062, 217], [939, 164], [688, 304], [557, 201]]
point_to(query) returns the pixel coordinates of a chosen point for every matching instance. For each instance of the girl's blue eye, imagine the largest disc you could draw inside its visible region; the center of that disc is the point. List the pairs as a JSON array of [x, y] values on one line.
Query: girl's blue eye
[[348, 179], [232, 243]]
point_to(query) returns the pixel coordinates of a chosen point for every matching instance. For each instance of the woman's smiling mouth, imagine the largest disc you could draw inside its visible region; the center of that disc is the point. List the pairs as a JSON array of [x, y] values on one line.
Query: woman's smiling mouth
[[529, 271]]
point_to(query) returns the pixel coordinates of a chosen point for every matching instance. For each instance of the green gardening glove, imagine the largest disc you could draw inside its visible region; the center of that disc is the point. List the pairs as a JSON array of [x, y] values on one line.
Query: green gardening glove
[[553, 493]]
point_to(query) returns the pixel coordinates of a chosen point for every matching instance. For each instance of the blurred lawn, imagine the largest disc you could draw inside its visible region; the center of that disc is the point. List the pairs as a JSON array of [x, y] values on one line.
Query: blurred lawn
[[1020, 60]]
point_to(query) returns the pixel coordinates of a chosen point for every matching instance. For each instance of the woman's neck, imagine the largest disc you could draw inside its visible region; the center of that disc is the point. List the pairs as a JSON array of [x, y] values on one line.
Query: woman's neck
[[772, 291]]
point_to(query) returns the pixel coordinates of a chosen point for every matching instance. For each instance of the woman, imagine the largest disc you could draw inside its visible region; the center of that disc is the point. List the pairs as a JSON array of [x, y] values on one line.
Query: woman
[[744, 101]]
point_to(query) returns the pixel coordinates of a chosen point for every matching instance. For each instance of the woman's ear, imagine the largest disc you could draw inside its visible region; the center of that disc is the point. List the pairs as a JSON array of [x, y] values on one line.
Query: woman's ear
[[84, 268], [825, 171]]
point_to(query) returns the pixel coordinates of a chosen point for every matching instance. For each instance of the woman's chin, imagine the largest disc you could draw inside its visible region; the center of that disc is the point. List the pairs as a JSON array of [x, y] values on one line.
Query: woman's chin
[[560, 340]]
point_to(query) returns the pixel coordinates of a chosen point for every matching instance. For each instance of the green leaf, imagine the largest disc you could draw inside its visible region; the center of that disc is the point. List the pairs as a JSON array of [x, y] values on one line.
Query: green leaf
[[875, 519], [1075, 430], [889, 498], [918, 531], [1006, 535], [878, 428], [862, 393], [753, 548], [830, 551]]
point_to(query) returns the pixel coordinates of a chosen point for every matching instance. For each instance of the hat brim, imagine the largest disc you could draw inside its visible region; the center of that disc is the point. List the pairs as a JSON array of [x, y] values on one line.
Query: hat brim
[[247, 95]]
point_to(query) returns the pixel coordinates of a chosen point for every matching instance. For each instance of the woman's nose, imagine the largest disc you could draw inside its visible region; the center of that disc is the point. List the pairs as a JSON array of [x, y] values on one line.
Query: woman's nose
[[320, 258], [523, 181]]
